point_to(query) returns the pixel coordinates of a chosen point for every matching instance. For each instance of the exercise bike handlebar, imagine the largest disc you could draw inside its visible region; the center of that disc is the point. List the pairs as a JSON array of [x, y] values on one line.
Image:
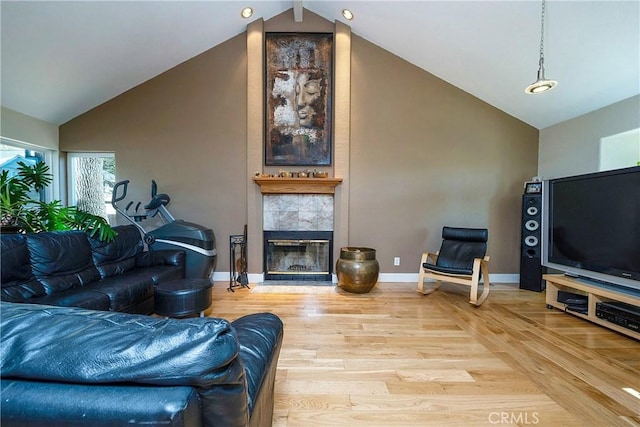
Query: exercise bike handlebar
[[157, 201], [156, 205], [115, 198], [114, 194]]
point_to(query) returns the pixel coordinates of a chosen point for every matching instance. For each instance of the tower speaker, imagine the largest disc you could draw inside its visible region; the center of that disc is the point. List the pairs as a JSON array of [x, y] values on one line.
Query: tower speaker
[[530, 246]]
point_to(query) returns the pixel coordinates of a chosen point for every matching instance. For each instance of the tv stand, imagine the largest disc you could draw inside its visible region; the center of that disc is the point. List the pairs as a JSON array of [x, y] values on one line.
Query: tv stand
[[595, 293]]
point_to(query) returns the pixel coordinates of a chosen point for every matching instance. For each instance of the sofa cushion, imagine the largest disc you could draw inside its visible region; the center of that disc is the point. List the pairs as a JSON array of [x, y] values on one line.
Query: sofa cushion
[[161, 273], [124, 290], [18, 284], [260, 335], [27, 403], [118, 256], [61, 260], [15, 258], [92, 347], [79, 297]]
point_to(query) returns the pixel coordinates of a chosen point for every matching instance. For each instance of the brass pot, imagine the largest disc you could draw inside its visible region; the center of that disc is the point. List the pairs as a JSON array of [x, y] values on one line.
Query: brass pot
[[357, 269]]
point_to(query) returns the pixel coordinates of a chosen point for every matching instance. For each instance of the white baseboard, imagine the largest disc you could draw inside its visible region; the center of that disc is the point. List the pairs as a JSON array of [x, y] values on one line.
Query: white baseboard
[[413, 277], [225, 276], [222, 276], [504, 278]]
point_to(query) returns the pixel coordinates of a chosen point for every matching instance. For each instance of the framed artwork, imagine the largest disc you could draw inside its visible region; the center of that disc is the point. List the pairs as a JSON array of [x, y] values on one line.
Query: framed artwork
[[299, 84]]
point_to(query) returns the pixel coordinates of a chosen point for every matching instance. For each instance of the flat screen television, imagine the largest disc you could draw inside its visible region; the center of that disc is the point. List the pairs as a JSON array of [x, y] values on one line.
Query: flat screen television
[[591, 226]]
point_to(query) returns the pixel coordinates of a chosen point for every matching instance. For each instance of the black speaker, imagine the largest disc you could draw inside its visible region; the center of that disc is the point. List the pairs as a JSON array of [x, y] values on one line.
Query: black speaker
[[530, 245]]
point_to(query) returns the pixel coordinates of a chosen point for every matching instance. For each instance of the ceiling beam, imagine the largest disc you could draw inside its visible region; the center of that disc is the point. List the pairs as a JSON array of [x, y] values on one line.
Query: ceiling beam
[[297, 10]]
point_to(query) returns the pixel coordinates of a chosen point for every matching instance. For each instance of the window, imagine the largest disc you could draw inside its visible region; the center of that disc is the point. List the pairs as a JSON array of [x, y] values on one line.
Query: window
[[91, 178], [13, 152], [620, 151]]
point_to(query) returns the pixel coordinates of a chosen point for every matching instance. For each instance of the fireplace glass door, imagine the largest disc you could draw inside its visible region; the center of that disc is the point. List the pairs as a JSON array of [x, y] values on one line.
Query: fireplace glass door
[[297, 258]]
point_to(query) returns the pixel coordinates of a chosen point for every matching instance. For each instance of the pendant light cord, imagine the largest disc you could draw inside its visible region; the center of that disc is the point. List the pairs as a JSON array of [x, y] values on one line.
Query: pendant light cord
[[541, 62]]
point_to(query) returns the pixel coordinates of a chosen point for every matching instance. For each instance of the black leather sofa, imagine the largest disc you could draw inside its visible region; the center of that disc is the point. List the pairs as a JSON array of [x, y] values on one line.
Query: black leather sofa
[[64, 366], [68, 268]]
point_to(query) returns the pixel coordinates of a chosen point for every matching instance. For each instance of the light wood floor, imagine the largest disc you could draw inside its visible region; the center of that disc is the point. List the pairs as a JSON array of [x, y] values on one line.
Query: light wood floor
[[396, 358]]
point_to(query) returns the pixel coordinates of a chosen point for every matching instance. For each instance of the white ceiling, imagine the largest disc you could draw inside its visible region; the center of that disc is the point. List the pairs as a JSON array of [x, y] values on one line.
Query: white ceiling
[[62, 58]]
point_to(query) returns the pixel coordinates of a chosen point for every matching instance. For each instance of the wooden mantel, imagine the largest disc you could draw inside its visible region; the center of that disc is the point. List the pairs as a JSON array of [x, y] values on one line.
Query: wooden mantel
[[277, 185]]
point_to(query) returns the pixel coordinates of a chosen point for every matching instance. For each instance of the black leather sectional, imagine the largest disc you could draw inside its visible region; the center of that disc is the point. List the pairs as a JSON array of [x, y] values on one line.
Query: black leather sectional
[[67, 268], [65, 366], [77, 348]]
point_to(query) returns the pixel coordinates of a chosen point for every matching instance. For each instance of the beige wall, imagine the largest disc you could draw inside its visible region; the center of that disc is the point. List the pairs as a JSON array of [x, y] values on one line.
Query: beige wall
[[23, 128], [573, 147], [425, 154], [422, 153], [186, 129]]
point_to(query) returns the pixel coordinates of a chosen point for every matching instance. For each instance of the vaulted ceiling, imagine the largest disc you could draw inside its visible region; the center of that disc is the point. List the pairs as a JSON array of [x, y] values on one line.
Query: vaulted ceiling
[[62, 58]]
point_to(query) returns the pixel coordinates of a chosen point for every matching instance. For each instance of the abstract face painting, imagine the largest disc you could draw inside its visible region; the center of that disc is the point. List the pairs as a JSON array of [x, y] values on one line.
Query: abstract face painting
[[298, 93]]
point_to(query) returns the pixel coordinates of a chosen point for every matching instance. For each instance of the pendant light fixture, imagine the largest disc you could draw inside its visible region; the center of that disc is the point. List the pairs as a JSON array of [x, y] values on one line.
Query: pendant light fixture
[[541, 84]]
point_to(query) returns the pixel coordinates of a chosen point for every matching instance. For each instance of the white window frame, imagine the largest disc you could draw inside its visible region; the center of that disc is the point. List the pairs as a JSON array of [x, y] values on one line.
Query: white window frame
[[51, 158], [71, 181]]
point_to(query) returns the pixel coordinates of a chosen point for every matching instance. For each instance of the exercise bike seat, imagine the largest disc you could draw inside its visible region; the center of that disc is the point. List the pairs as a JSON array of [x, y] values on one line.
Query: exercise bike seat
[[157, 201]]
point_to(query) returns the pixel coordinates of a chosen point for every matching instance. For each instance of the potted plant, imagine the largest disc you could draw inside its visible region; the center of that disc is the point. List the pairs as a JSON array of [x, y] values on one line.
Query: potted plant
[[22, 212]]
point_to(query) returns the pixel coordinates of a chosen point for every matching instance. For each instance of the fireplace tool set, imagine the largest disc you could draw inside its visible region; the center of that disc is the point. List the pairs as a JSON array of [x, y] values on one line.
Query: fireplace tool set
[[238, 261]]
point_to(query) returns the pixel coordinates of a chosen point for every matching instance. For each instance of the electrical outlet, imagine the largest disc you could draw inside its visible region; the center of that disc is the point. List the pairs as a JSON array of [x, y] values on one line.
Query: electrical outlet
[[396, 261]]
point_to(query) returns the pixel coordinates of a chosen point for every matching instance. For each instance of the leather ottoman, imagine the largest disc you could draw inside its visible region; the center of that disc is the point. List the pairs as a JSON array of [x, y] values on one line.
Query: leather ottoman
[[183, 297]]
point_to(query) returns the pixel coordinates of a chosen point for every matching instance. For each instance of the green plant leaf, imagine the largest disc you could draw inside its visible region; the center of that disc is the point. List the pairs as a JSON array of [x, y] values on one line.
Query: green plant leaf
[[92, 225], [36, 176], [34, 216]]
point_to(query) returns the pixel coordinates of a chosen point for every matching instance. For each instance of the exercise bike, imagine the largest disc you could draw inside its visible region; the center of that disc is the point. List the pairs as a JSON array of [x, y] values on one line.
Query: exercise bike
[[196, 241]]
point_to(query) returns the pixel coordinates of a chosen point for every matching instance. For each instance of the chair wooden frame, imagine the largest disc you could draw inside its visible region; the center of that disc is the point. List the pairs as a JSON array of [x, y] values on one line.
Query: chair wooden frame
[[480, 267]]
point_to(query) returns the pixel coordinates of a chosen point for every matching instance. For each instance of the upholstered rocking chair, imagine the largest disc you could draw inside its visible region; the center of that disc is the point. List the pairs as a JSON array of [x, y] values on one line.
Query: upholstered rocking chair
[[461, 260]]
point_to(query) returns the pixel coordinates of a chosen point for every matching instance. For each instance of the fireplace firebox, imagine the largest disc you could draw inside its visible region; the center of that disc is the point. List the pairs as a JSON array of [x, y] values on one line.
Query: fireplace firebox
[[298, 255]]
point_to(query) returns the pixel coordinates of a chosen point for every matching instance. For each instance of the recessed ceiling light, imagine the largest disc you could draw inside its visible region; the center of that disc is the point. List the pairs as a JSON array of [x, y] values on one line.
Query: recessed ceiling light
[[247, 12], [347, 14]]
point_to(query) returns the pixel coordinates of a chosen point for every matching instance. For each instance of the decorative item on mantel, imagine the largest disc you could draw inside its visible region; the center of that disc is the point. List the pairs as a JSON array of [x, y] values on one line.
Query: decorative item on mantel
[[302, 182], [294, 174]]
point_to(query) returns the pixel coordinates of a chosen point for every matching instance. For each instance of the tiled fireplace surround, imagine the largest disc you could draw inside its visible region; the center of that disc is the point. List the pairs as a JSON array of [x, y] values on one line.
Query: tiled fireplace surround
[[297, 212]]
